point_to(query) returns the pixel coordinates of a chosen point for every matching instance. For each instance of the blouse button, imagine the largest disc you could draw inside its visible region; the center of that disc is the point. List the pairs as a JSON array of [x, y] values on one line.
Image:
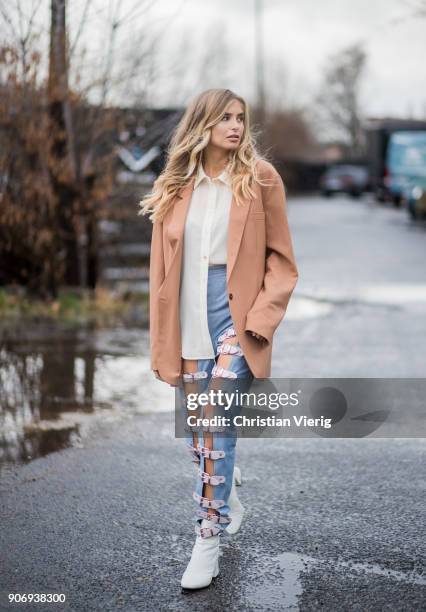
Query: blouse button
[[230, 296]]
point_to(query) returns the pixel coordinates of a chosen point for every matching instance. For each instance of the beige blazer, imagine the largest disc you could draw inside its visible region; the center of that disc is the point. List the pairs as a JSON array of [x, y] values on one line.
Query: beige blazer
[[261, 275]]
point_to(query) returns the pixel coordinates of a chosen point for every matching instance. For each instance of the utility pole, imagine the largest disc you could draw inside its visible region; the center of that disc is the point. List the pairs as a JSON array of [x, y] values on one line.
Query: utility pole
[[62, 165], [258, 36]]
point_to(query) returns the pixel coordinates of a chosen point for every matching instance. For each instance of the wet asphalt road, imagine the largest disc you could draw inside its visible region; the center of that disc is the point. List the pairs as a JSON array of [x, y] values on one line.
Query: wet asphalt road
[[331, 524]]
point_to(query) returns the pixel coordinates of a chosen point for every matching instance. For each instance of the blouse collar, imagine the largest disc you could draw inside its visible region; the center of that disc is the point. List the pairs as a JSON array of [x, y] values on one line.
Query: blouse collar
[[201, 175]]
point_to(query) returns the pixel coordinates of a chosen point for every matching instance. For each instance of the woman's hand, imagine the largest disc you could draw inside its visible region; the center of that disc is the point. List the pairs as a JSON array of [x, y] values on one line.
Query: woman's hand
[[157, 375], [257, 336]]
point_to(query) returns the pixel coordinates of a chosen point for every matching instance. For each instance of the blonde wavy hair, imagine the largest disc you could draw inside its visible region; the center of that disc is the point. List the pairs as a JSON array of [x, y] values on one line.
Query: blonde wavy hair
[[185, 151]]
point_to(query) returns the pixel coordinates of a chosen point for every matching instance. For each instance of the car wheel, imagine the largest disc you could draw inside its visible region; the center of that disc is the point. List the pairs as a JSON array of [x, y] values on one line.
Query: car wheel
[[413, 212]]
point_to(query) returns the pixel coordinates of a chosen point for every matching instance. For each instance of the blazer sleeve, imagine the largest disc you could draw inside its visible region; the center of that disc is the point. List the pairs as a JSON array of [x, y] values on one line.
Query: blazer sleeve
[[156, 278], [281, 273]]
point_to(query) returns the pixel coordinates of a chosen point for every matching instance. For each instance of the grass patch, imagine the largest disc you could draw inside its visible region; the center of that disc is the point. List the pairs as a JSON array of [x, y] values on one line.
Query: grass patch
[[74, 305]]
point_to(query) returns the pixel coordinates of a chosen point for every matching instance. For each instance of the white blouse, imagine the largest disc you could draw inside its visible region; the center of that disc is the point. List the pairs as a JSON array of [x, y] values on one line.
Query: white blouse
[[205, 242]]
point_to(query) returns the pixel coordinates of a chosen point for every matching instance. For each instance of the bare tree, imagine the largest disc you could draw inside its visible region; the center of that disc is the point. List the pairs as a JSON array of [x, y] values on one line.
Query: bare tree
[[56, 148], [289, 135], [337, 107]]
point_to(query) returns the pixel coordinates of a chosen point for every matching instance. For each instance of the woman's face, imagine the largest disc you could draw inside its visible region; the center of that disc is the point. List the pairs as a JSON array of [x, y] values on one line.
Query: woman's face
[[228, 132]]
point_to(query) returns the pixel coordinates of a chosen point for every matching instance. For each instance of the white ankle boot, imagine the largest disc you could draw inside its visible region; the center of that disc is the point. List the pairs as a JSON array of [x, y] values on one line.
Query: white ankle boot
[[204, 563], [236, 509]]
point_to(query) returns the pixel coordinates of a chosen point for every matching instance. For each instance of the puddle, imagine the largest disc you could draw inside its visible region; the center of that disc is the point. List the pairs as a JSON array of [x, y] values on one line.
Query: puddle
[[301, 308], [277, 584], [373, 568], [57, 379]]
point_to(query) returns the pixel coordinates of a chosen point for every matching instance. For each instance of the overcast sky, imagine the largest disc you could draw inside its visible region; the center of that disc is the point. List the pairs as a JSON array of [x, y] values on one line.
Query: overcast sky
[[298, 37]]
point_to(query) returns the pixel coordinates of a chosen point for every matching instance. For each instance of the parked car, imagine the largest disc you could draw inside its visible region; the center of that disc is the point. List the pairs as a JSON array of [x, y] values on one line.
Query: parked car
[[406, 161], [382, 151], [344, 178]]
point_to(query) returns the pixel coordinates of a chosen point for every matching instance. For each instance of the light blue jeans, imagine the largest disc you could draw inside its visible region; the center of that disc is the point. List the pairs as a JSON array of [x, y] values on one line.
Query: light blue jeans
[[229, 373]]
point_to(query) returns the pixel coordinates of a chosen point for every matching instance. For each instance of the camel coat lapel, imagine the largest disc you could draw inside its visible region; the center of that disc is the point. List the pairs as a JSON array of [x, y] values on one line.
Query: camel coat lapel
[[237, 220]]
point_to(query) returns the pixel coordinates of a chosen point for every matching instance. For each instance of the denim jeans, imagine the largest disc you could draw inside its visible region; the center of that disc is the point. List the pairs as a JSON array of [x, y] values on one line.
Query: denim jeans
[[209, 374]]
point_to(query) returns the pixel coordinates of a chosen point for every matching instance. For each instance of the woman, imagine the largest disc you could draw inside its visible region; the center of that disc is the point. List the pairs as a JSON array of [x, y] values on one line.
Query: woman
[[222, 271]]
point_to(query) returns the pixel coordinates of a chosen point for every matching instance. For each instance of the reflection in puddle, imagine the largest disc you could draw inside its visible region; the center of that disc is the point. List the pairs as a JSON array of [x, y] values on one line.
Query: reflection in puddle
[[41, 439], [56, 378]]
